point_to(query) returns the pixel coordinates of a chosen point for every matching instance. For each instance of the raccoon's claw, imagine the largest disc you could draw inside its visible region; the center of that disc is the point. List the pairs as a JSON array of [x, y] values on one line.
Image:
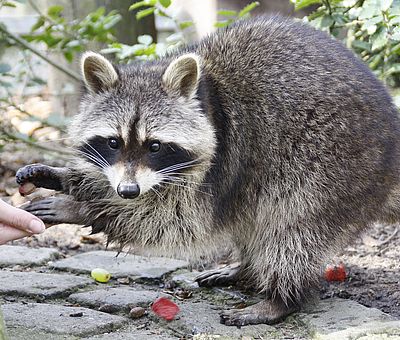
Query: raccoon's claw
[[55, 210], [268, 312], [40, 175], [219, 277]]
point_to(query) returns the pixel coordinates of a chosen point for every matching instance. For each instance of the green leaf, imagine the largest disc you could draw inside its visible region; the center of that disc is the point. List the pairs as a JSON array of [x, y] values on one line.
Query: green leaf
[[362, 45], [227, 13], [395, 10], [144, 13], [73, 43], [112, 21], [247, 9], [142, 4], [221, 24], [174, 37], [396, 33], [5, 83], [370, 25], [395, 19], [69, 56], [375, 61], [299, 4], [349, 3], [38, 24], [9, 4], [340, 19], [54, 11], [4, 68], [38, 81], [379, 39], [326, 21], [165, 3], [145, 39], [137, 5], [370, 9], [185, 24], [94, 16], [394, 69], [315, 15]]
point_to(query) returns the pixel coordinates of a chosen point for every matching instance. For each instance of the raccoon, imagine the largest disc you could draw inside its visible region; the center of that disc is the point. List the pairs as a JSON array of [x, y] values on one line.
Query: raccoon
[[268, 136]]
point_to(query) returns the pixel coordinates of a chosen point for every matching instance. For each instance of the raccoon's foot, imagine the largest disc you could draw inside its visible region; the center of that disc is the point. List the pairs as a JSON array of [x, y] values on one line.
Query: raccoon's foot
[[268, 311], [56, 210], [219, 277], [41, 176]]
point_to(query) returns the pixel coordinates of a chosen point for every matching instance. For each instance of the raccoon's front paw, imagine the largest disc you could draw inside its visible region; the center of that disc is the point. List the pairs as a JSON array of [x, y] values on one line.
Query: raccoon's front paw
[[39, 175], [56, 210]]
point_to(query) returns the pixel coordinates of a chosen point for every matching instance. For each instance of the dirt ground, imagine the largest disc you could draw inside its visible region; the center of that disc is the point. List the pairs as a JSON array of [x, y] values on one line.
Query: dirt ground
[[373, 270], [371, 262]]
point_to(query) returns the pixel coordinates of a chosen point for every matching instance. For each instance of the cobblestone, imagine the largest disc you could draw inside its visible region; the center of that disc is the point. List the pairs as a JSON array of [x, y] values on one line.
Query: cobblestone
[[39, 284], [343, 319], [58, 319], [135, 266], [117, 298], [18, 255]]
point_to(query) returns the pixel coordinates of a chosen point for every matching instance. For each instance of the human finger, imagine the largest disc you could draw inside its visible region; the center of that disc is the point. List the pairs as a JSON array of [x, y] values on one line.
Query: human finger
[[8, 233], [20, 219]]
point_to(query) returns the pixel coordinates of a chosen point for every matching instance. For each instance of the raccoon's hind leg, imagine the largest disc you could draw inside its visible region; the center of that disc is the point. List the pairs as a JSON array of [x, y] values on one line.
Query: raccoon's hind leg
[[42, 176], [269, 311], [285, 263], [224, 276]]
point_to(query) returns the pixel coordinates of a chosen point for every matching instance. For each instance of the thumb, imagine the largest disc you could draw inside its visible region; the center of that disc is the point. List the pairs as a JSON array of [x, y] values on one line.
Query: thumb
[[20, 219]]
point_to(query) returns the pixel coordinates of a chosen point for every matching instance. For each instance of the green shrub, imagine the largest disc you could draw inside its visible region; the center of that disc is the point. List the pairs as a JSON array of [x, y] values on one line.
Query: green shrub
[[370, 27]]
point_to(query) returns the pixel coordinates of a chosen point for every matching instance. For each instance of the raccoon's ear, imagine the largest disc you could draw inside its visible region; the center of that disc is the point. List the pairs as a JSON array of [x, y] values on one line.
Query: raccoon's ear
[[98, 73], [182, 76]]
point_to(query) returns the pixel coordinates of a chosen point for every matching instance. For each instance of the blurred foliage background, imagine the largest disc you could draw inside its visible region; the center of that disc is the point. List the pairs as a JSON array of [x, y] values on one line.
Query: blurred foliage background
[[39, 68]]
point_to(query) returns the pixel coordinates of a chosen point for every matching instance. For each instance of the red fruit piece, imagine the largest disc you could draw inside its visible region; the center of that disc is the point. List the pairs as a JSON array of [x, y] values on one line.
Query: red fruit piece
[[335, 273], [165, 308], [26, 189]]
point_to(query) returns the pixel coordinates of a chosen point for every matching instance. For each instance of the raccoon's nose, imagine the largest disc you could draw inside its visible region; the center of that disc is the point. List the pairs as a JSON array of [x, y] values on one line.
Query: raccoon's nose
[[128, 190]]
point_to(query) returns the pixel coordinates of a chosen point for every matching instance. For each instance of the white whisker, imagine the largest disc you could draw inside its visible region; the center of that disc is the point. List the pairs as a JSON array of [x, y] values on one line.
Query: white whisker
[[101, 157], [177, 166], [93, 158]]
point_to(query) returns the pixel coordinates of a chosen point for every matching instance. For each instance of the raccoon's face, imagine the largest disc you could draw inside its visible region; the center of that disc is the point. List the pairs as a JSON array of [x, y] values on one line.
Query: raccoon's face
[[142, 126]]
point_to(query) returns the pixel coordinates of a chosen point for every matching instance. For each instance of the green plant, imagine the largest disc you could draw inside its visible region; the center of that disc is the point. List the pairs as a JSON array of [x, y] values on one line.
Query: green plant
[[370, 27], [146, 48], [71, 37]]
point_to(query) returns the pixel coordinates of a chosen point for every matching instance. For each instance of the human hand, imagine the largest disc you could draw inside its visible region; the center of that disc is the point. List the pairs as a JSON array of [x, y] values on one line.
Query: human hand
[[16, 223]]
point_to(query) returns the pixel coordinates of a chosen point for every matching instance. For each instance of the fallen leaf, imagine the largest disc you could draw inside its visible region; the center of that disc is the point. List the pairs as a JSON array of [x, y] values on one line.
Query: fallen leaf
[[165, 308]]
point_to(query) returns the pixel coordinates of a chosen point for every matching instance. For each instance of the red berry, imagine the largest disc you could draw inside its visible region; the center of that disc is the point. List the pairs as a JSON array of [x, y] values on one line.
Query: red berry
[[165, 308], [335, 273]]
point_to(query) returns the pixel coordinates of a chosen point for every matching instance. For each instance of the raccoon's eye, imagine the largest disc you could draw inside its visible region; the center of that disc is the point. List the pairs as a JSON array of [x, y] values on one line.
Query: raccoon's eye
[[113, 143], [155, 146]]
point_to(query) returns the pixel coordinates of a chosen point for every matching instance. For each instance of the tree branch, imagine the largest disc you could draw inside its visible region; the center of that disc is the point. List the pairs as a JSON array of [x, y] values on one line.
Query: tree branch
[[27, 46]]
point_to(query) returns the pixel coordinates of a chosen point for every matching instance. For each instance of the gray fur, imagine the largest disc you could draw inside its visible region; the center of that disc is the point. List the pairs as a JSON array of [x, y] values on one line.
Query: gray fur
[[298, 149]]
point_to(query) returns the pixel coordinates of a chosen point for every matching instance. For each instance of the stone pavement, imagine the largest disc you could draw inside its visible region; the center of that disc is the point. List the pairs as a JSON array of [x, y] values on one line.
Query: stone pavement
[[44, 297]]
